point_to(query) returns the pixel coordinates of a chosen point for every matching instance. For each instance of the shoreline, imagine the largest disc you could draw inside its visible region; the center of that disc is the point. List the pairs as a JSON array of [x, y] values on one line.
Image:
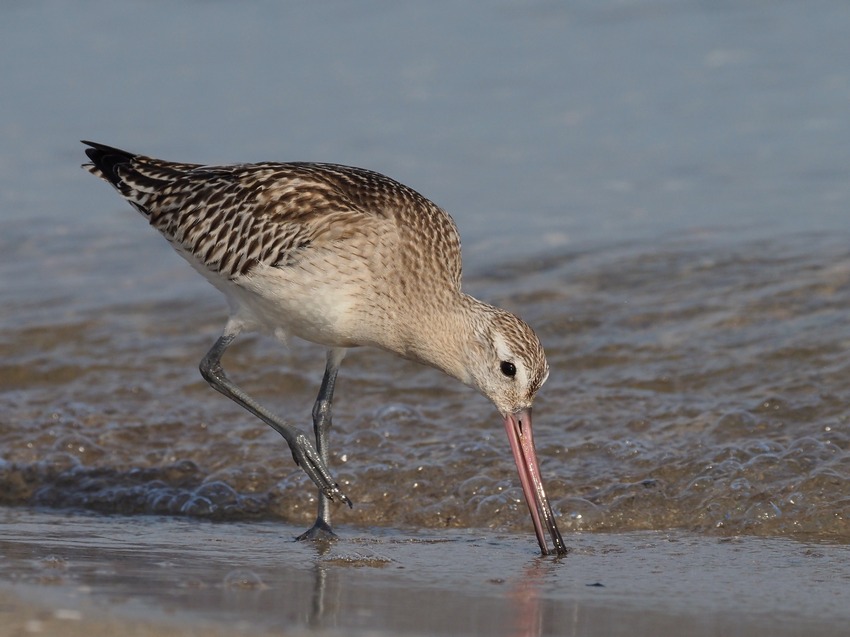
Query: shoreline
[[86, 574]]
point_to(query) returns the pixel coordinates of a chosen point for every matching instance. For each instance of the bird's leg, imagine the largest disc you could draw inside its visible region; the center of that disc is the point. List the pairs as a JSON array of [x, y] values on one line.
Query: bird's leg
[[303, 452], [321, 528]]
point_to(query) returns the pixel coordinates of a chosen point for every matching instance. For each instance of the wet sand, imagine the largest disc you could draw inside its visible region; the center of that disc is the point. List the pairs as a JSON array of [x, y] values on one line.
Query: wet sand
[[72, 573]]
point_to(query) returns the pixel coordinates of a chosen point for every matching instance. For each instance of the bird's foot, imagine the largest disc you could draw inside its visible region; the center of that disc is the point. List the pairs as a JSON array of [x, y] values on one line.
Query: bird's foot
[[306, 457], [320, 532]]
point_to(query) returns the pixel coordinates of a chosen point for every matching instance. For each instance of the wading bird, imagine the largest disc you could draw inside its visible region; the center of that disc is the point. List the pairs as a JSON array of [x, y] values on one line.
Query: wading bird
[[343, 257]]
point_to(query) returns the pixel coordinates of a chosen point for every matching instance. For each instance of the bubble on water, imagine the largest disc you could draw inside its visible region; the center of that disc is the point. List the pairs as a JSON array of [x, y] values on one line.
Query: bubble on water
[[477, 485], [772, 405], [732, 425], [248, 478], [397, 416], [498, 510], [80, 446], [167, 501], [626, 448], [58, 462], [198, 506], [243, 580], [180, 472], [763, 511], [577, 514], [218, 493], [740, 484]]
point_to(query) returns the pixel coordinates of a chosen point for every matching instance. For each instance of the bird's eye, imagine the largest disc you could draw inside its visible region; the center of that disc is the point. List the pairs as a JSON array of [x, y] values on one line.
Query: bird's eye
[[508, 369]]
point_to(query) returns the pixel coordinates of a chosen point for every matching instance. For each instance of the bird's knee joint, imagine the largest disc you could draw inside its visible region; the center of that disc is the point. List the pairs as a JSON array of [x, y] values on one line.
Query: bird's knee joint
[[211, 372]]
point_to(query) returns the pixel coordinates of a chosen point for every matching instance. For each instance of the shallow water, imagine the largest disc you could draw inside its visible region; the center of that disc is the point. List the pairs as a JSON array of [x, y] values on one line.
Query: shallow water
[[699, 386], [660, 190]]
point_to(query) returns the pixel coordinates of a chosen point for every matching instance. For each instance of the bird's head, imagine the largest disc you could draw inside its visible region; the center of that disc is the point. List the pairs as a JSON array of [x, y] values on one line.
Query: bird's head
[[507, 364]]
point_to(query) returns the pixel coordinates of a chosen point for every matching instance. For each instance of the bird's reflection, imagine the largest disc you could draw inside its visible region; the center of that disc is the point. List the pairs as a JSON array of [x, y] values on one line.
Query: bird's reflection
[[324, 605], [525, 598], [522, 595]]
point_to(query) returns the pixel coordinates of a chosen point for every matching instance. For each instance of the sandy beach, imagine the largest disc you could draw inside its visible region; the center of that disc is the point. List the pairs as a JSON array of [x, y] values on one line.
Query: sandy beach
[[72, 574]]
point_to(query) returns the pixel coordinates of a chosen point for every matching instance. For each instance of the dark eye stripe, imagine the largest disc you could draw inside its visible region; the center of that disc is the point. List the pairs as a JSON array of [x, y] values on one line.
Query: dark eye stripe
[[508, 368]]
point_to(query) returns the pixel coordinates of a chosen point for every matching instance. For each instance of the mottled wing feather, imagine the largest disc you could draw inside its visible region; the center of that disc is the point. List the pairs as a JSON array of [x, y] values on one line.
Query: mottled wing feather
[[233, 218]]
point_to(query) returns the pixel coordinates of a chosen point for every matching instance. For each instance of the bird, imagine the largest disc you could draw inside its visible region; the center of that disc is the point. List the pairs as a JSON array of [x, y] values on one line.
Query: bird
[[342, 257]]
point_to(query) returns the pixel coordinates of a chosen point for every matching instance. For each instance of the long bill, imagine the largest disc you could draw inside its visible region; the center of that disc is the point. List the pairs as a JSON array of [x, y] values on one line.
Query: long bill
[[518, 427]]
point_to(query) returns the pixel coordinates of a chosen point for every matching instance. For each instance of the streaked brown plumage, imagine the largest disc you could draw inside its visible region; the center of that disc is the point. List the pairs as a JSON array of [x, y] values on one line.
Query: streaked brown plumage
[[343, 257]]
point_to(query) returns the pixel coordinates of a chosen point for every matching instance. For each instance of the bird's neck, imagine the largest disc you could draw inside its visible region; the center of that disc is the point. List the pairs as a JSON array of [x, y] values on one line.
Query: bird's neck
[[452, 335]]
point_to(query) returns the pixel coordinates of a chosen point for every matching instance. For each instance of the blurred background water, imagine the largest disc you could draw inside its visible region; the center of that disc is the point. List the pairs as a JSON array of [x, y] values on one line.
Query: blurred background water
[[660, 188]]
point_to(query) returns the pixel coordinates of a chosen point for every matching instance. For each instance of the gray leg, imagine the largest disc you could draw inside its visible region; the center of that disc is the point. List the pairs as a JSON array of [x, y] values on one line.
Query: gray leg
[[303, 452], [321, 528]]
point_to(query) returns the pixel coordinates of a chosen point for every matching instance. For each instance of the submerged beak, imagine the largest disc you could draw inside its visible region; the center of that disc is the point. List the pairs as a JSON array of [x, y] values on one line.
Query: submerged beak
[[518, 426]]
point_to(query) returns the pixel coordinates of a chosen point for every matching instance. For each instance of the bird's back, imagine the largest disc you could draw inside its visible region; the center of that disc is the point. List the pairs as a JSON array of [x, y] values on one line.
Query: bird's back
[[377, 245], [234, 217]]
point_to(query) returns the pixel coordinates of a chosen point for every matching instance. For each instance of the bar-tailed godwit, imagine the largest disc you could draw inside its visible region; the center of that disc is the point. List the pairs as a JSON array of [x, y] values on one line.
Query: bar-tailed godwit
[[343, 257]]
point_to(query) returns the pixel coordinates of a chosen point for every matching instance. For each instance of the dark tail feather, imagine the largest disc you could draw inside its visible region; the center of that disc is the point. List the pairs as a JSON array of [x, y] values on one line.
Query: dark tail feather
[[105, 161]]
